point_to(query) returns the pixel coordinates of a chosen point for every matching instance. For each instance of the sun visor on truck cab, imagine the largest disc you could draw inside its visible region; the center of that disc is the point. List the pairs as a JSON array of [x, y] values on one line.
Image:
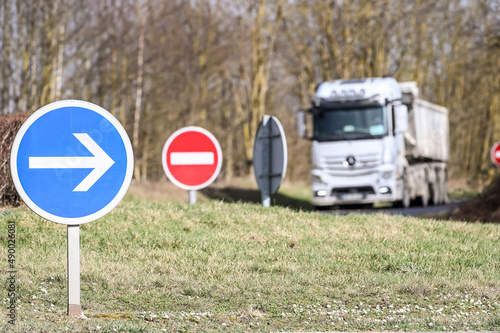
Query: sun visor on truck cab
[[324, 104]]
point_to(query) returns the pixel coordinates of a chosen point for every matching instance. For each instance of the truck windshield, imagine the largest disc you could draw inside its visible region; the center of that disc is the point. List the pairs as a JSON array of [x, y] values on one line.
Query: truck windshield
[[350, 124]]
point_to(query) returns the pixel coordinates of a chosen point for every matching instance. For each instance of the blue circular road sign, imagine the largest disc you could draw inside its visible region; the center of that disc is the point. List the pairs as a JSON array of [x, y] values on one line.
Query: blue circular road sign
[[71, 162]]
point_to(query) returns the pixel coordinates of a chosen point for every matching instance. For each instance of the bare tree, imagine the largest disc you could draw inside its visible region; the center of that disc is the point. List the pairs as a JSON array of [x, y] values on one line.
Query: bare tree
[[221, 64]]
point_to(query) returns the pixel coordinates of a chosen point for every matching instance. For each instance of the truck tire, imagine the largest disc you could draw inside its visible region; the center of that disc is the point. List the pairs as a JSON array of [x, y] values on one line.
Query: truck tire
[[406, 200], [439, 188], [435, 194], [444, 192], [424, 198]]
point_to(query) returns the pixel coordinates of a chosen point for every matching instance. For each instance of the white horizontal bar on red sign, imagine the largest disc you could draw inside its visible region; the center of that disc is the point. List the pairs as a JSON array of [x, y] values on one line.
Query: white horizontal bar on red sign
[[192, 158]]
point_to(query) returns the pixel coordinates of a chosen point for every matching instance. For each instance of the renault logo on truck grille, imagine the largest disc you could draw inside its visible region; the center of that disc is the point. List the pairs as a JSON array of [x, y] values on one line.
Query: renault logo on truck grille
[[349, 161]]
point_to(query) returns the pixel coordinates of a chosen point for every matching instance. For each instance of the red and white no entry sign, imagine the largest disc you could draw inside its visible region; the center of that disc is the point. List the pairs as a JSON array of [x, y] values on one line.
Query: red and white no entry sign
[[495, 154], [192, 158]]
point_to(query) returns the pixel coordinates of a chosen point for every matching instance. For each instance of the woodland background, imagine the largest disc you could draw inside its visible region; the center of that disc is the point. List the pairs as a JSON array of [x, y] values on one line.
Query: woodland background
[[159, 65]]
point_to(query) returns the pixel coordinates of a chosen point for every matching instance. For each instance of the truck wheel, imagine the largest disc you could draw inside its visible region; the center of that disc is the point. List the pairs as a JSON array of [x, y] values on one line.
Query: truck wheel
[[424, 198], [444, 193], [435, 194], [445, 187], [440, 189], [406, 197], [405, 201]]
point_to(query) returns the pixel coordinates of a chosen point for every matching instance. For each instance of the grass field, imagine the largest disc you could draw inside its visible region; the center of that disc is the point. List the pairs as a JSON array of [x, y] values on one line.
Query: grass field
[[156, 266]]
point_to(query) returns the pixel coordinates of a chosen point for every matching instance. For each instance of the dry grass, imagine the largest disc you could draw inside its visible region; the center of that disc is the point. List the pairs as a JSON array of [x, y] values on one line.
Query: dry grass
[[152, 266]]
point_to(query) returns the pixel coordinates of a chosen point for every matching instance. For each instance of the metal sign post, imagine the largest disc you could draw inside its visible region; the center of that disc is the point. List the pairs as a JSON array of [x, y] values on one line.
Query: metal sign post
[[270, 157], [192, 197], [72, 163], [74, 306]]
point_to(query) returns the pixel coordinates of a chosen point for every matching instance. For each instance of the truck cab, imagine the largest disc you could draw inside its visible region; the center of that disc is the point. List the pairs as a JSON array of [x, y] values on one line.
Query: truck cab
[[358, 147]]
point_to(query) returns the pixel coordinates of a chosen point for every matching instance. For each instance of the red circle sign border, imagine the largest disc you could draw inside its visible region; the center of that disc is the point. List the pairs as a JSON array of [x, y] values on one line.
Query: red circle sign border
[[218, 149], [492, 154]]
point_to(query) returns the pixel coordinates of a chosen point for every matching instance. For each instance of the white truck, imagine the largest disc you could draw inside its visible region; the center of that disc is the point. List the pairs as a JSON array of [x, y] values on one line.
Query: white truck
[[375, 141]]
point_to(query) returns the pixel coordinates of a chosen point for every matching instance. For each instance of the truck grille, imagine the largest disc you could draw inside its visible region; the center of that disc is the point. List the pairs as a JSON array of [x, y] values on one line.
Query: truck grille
[[364, 162]]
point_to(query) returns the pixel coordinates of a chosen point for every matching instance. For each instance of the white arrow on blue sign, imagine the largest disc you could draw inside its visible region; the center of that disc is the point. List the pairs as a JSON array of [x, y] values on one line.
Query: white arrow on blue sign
[[72, 162]]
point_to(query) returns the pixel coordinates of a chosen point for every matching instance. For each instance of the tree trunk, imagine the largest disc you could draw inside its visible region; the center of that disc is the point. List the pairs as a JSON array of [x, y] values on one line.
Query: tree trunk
[[138, 93]]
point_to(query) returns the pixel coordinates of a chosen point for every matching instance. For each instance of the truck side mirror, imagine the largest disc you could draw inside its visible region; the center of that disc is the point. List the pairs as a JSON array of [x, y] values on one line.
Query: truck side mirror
[[300, 118], [400, 118]]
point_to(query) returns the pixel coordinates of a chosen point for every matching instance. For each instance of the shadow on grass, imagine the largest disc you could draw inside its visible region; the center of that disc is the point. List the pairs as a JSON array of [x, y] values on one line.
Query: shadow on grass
[[235, 194]]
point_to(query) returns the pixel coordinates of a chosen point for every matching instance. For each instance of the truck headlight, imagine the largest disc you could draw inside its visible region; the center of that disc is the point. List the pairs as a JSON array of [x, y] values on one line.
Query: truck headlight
[[384, 190], [321, 193]]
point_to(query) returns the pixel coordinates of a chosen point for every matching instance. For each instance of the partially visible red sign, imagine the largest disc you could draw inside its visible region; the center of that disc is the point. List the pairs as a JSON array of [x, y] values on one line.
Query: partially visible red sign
[[495, 154], [192, 158]]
